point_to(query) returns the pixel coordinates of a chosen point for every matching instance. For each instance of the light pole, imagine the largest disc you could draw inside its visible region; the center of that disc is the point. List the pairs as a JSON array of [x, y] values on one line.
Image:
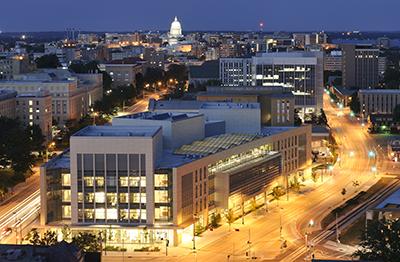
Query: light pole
[[194, 232], [249, 242], [94, 118], [280, 224], [330, 168], [47, 150], [242, 208]]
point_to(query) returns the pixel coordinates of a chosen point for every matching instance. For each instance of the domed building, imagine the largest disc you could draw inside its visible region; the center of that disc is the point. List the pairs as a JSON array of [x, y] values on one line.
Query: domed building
[[175, 32]]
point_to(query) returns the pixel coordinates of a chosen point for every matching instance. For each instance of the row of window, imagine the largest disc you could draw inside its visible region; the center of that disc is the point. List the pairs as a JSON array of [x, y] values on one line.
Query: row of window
[[201, 189], [200, 205]]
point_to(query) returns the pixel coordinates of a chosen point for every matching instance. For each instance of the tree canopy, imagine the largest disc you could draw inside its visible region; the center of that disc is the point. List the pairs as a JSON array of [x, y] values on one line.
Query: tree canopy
[[396, 113], [87, 242], [48, 61], [354, 103], [380, 242], [16, 147], [322, 118], [392, 77]]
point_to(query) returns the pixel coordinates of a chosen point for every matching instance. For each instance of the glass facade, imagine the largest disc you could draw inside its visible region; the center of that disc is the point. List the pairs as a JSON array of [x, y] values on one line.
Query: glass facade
[[112, 188], [58, 194], [301, 80]]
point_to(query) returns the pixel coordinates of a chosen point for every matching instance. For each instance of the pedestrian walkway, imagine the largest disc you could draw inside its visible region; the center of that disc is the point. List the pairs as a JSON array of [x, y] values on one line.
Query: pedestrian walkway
[[265, 250]]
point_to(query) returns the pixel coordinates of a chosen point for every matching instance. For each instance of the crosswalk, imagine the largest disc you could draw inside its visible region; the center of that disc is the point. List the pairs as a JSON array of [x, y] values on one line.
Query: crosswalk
[[302, 250]]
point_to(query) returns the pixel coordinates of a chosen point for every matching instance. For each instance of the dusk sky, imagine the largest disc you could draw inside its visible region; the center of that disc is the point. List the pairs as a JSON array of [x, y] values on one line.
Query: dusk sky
[[131, 15]]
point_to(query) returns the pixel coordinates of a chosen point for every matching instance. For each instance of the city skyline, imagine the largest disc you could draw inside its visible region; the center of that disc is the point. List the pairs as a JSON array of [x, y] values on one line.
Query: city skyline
[[292, 16]]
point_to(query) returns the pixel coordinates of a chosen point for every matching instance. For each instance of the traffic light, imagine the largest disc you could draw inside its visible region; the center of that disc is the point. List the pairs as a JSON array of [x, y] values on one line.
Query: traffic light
[[235, 229]]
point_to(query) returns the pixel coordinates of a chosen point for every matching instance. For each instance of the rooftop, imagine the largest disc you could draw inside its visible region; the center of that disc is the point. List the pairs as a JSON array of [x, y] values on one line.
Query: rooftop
[[379, 91], [212, 145], [392, 203], [283, 95], [126, 61], [227, 105], [62, 160], [116, 131], [174, 104], [161, 116]]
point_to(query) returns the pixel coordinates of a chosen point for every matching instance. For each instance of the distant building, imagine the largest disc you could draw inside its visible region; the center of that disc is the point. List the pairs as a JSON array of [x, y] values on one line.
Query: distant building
[[382, 60], [13, 64], [175, 32], [199, 75], [72, 94], [333, 61], [298, 72], [123, 71], [30, 109], [360, 66], [378, 101], [383, 43]]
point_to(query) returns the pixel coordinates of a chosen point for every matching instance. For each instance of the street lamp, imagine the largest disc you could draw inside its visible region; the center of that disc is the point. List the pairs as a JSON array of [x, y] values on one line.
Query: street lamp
[[194, 231], [52, 144], [351, 153], [280, 224], [94, 118], [330, 168]]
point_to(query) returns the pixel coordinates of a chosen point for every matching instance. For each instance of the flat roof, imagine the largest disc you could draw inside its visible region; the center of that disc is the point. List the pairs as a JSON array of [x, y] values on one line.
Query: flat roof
[[116, 131], [160, 116], [392, 203], [174, 104], [227, 105], [283, 95], [212, 145], [380, 91], [62, 160]]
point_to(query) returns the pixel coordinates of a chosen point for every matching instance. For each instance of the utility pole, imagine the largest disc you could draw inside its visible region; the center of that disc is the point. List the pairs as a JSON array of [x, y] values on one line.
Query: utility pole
[[337, 232]]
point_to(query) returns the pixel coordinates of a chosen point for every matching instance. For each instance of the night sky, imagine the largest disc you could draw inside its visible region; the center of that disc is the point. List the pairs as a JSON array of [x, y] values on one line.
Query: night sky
[[234, 15]]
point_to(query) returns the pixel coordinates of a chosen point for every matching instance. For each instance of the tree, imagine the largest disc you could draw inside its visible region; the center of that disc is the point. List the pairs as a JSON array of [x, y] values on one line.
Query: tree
[[34, 133], [34, 237], [277, 193], [354, 103], [215, 220], [344, 191], [49, 238], [396, 113], [178, 72], [314, 176], [392, 77], [322, 118], [66, 233], [15, 150], [230, 218], [48, 61], [295, 184], [380, 242], [87, 242], [297, 119]]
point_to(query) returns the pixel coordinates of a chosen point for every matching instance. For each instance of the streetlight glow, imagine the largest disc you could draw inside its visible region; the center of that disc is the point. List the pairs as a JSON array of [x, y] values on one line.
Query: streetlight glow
[[351, 153], [371, 153]]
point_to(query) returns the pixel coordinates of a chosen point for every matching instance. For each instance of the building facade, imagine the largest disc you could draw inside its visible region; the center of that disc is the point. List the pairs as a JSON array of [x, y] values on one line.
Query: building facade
[[72, 94], [123, 71], [378, 101], [121, 176], [360, 66]]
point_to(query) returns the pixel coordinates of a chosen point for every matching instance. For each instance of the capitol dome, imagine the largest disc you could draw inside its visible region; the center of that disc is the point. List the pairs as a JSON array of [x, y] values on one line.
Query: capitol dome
[[176, 30]]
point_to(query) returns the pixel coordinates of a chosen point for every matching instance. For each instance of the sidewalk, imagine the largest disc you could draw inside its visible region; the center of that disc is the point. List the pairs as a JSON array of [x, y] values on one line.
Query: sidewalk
[[267, 249]]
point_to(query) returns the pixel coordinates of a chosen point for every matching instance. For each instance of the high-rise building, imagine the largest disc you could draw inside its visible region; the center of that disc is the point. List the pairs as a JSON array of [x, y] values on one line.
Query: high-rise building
[[360, 66], [298, 72]]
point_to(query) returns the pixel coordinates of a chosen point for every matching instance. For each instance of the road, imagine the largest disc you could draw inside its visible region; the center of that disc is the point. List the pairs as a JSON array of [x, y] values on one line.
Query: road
[[141, 105], [313, 203]]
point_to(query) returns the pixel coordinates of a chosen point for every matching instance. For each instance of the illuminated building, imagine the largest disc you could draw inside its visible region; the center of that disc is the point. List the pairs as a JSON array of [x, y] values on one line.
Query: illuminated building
[[360, 66], [160, 169], [175, 32], [123, 71], [298, 72], [72, 94]]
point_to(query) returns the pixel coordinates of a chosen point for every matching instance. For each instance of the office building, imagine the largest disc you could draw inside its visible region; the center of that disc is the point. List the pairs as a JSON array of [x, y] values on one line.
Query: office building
[[123, 71], [13, 64], [333, 61], [30, 109], [298, 72], [123, 176], [378, 101], [360, 66], [72, 94]]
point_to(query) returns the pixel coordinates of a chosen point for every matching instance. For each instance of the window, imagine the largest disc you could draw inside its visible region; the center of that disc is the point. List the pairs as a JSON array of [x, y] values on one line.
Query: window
[[196, 192], [205, 188], [37, 103], [205, 202], [30, 102], [205, 173], [201, 204], [200, 174], [201, 191], [195, 176]]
